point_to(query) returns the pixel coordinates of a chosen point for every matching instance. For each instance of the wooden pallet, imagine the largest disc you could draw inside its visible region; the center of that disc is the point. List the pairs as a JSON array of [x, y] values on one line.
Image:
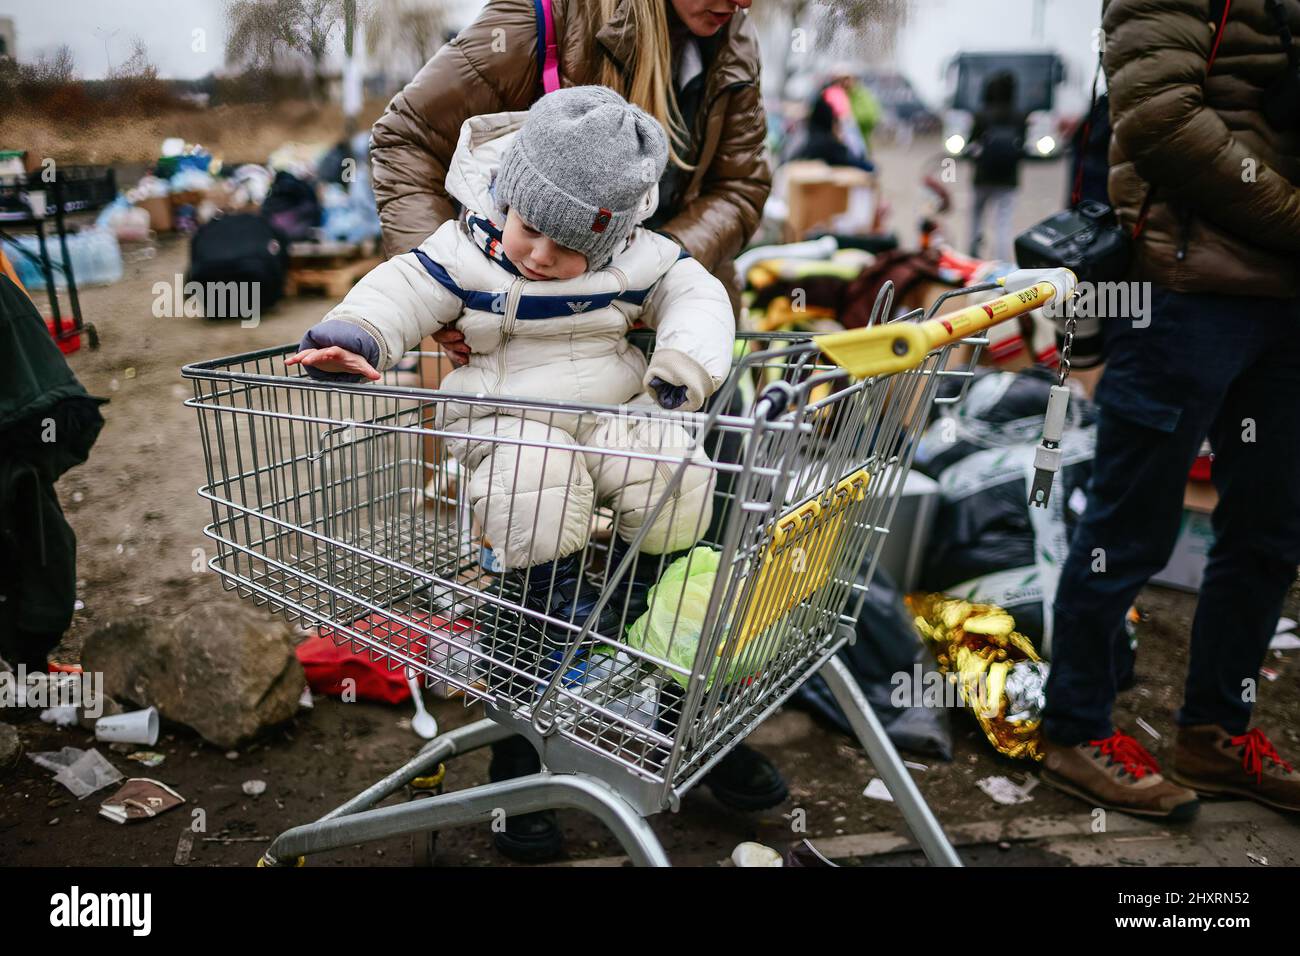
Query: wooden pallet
[[333, 281]]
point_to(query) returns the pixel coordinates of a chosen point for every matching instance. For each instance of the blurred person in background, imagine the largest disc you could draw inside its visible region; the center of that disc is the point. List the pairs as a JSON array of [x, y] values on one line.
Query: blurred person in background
[[864, 108], [1205, 169], [693, 65], [824, 137], [997, 147]]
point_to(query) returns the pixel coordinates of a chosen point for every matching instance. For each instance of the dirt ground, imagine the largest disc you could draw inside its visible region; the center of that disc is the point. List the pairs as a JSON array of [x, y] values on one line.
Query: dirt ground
[[139, 528], [237, 133]]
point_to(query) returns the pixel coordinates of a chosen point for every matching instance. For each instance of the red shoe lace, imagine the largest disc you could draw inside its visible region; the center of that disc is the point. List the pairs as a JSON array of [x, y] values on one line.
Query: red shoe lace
[[1257, 747], [1121, 748]]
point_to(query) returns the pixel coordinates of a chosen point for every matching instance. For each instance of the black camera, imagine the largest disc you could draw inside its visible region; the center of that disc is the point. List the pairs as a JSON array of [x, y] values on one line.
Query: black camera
[[1088, 240]]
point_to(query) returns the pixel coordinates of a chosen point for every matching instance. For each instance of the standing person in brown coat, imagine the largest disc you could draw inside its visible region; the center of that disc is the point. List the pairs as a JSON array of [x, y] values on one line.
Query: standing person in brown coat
[[1205, 167], [693, 65]]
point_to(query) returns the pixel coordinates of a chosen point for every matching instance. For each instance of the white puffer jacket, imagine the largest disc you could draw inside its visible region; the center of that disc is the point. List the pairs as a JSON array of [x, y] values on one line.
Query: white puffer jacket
[[561, 340], [558, 339]]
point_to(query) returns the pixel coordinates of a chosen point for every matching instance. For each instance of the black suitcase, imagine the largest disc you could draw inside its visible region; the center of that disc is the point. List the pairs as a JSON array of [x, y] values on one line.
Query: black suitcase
[[242, 248]]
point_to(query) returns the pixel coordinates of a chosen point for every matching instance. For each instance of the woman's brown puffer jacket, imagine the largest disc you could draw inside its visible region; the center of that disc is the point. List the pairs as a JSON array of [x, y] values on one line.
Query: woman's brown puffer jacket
[[1225, 216], [492, 66]]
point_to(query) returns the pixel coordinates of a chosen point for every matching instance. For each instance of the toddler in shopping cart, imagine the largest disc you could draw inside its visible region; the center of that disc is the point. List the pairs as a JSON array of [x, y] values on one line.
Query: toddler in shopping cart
[[544, 272]]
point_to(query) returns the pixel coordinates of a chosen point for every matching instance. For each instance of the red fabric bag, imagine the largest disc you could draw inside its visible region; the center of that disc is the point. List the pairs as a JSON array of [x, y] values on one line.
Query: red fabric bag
[[327, 664]]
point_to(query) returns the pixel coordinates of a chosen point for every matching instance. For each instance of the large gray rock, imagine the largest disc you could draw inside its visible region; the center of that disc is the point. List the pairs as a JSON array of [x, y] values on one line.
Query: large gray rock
[[11, 748], [223, 668]]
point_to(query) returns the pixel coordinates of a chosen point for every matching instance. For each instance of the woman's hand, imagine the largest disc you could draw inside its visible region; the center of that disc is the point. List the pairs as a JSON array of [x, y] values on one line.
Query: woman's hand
[[335, 359], [453, 346]]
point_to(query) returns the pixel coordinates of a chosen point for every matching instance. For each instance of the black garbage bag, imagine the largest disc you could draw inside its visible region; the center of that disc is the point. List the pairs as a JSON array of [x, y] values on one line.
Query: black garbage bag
[[987, 545], [292, 207], [887, 646]]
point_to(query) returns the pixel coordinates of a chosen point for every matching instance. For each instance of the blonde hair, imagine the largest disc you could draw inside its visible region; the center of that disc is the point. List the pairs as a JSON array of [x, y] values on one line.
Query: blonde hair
[[649, 81]]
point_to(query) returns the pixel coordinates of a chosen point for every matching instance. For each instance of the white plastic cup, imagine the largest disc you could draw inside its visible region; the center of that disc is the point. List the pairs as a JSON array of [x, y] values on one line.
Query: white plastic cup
[[137, 727]]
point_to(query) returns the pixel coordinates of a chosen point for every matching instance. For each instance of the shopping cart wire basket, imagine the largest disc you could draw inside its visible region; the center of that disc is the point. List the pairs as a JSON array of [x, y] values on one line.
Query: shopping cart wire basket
[[391, 518]]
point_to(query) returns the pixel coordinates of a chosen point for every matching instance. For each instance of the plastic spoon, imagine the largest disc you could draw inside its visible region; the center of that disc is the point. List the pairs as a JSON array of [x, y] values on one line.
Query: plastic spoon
[[423, 723]]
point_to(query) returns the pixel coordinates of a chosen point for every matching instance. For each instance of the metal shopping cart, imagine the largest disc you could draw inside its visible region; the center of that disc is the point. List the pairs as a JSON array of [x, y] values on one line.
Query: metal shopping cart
[[341, 506]]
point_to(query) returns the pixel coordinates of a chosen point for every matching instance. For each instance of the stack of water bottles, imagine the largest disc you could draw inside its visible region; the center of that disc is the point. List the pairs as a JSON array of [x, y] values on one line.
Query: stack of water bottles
[[95, 256]]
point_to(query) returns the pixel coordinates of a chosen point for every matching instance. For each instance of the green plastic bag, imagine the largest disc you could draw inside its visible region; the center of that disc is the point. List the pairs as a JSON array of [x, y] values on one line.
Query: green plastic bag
[[671, 628]]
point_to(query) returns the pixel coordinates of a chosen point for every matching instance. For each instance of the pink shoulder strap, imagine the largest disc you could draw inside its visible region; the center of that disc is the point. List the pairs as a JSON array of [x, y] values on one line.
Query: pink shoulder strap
[[551, 62]]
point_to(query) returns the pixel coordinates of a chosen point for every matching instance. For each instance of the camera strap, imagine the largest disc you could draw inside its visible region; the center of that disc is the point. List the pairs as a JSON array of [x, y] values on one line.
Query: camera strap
[[1077, 192]]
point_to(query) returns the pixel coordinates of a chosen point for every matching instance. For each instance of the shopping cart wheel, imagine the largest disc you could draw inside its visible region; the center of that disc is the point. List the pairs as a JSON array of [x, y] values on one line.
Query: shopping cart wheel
[[424, 846]]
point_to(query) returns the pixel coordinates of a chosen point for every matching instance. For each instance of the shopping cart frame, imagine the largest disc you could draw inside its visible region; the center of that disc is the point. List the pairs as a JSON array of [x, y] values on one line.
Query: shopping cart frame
[[598, 785]]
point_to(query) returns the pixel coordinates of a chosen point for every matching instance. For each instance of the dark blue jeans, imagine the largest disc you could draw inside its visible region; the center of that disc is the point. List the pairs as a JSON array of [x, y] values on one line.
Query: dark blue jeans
[[1226, 367]]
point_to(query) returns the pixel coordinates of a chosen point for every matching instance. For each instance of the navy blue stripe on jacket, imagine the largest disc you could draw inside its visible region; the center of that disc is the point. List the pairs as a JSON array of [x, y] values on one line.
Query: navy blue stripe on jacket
[[531, 307]]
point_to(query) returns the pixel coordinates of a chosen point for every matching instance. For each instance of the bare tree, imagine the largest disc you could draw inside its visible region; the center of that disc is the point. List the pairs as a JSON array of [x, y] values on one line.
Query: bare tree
[[873, 24], [137, 66], [58, 68], [406, 33], [868, 28], [264, 34]]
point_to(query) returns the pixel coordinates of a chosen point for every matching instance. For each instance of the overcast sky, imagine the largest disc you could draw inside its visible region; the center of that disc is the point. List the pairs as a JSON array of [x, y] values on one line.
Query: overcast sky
[[937, 29], [166, 27]]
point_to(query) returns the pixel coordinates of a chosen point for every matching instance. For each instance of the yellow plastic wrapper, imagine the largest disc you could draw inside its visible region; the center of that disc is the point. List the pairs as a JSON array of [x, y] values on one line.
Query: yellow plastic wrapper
[[979, 646]]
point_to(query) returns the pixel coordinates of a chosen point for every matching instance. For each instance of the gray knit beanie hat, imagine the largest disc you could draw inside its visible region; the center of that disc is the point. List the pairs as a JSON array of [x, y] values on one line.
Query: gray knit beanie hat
[[580, 167]]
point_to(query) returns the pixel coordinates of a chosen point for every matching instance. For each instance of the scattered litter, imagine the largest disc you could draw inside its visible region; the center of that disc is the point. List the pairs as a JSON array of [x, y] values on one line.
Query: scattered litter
[[134, 727], [306, 702], [63, 716], [804, 854], [78, 605], [1006, 791], [1155, 734], [913, 765], [140, 799], [877, 790], [232, 754], [1269, 673], [1284, 624], [184, 847], [1285, 642], [149, 758], [1255, 858], [254, 788], [81, 771], [755, 854]]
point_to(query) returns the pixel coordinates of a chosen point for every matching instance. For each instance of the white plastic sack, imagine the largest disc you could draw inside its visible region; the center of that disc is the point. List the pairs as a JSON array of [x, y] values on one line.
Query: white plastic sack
[[81, 771]]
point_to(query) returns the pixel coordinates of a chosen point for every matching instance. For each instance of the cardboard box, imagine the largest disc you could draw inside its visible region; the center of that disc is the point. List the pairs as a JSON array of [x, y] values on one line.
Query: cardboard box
[[816, 194], [1186, 565], [187, 197], [159, 209]]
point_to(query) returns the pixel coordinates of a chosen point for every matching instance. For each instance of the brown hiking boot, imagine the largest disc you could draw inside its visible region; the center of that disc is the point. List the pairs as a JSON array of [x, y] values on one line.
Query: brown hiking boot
[[1211, 761], [1116, 773]]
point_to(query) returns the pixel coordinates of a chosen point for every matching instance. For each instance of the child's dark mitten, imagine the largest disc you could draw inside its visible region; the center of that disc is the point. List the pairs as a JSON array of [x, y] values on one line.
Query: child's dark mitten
[[669, 395], [344, 335], [677, 381]]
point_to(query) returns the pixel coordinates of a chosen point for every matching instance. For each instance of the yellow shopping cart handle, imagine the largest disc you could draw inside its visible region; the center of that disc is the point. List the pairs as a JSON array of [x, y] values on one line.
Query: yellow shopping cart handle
[[898, 346]]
